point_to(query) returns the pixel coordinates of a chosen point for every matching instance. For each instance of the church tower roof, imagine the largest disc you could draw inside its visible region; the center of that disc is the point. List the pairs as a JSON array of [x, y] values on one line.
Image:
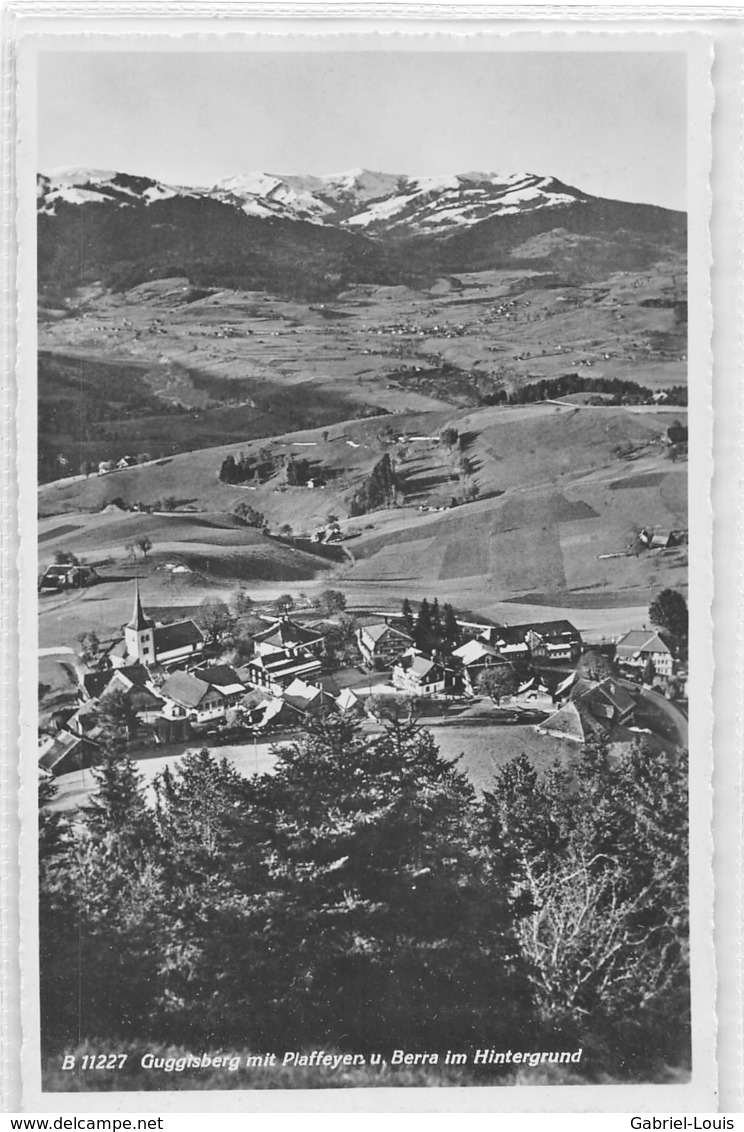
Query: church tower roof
[[139, 621]]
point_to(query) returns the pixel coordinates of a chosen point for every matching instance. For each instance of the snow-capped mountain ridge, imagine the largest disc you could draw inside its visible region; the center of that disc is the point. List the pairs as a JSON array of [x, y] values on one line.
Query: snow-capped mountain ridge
[[358, 199]]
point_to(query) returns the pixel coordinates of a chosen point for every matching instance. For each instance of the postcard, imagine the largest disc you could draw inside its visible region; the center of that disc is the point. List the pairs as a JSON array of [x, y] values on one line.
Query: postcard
[[365, 451]]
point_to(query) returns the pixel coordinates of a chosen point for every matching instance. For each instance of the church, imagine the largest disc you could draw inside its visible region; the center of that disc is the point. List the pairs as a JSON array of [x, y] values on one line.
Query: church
[[150, 643]]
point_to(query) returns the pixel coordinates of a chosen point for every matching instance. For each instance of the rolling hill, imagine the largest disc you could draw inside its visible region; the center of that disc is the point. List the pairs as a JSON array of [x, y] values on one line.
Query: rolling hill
[[558, 487]]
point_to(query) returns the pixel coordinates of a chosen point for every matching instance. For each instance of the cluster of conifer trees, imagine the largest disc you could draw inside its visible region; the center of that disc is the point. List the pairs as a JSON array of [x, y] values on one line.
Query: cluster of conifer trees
[[378, 490], [364, 896], [434, 628]]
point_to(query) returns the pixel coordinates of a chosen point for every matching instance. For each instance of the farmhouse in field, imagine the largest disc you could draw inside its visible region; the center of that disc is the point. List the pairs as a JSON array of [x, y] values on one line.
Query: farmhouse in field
[[380, 644], [66, 576], [639, 646], [150, 643]]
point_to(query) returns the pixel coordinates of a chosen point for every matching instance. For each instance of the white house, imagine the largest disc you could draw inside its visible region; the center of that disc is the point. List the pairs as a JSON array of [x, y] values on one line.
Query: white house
[[641, 645], [187, 697], [381, 644], [420, 675]]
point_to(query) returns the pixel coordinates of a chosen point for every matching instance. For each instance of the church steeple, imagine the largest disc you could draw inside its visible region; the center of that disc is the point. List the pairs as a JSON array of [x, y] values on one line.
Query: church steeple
[[139, 634], [139, 621]]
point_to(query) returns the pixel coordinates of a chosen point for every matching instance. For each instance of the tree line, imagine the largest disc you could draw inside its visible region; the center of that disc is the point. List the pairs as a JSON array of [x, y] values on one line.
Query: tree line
[[547, 388], [364, 896]]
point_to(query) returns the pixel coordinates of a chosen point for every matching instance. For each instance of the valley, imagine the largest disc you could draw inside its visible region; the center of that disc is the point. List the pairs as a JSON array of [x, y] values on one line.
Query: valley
[[522, 378]]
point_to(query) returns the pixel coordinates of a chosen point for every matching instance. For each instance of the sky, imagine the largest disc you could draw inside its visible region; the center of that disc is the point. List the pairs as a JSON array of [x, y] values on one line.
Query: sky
[[610, 123]]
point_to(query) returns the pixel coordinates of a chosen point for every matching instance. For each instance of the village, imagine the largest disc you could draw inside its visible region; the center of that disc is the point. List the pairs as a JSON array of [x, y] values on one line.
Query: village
[[163, 684]]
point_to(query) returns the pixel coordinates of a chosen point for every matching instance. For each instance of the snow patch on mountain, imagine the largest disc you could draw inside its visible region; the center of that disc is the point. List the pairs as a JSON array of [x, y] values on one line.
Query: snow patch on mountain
[[358, 199]]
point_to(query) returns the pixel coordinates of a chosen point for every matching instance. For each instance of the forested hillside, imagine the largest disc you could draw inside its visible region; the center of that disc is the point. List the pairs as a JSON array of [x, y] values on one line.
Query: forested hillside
[[364, 898]]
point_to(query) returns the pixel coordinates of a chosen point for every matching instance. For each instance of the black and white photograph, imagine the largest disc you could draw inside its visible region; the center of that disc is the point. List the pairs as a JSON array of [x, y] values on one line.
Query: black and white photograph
[[369, 647]]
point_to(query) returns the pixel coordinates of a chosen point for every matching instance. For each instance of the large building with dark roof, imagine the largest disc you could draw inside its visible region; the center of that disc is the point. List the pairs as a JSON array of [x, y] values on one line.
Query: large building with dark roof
[[150, 643], [287, 636]]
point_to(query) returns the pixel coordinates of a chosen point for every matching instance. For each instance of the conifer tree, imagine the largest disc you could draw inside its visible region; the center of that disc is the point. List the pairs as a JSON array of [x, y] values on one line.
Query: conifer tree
[[407, 615], [423, 629], [450, 628], [383, 900], [436, 622]]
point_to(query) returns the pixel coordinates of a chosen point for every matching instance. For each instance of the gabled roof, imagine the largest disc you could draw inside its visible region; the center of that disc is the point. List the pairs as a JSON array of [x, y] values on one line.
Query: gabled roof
[[473, 651], [185, 689], [132, 673], [143, 699], [616, 695], [62, 745], [282, 664], [287, 634], [639, 641], [222, 676], [547, 630], [346, 700], [378, 629], [581, 686], [179, 635], [94, 683], [566, 684], [299, 689], [420, 666], [572, 721]]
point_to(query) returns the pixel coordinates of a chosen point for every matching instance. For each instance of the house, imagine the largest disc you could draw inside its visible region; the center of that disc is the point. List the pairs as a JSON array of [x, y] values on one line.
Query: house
[[187, 697], [76, 744], [264, 710], [134, 681], [473, 658], [64, 576], [151, 643], [274, 671], [92, 685], [594, 709], [126, 462], [67, 751], [348, 702], [224, 677], [662, 539], [572, 723], [639, 646], [308, 697], [543, 641], [287, 637], [609, 701], [380, 644], [533, 695], [420, 675]]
